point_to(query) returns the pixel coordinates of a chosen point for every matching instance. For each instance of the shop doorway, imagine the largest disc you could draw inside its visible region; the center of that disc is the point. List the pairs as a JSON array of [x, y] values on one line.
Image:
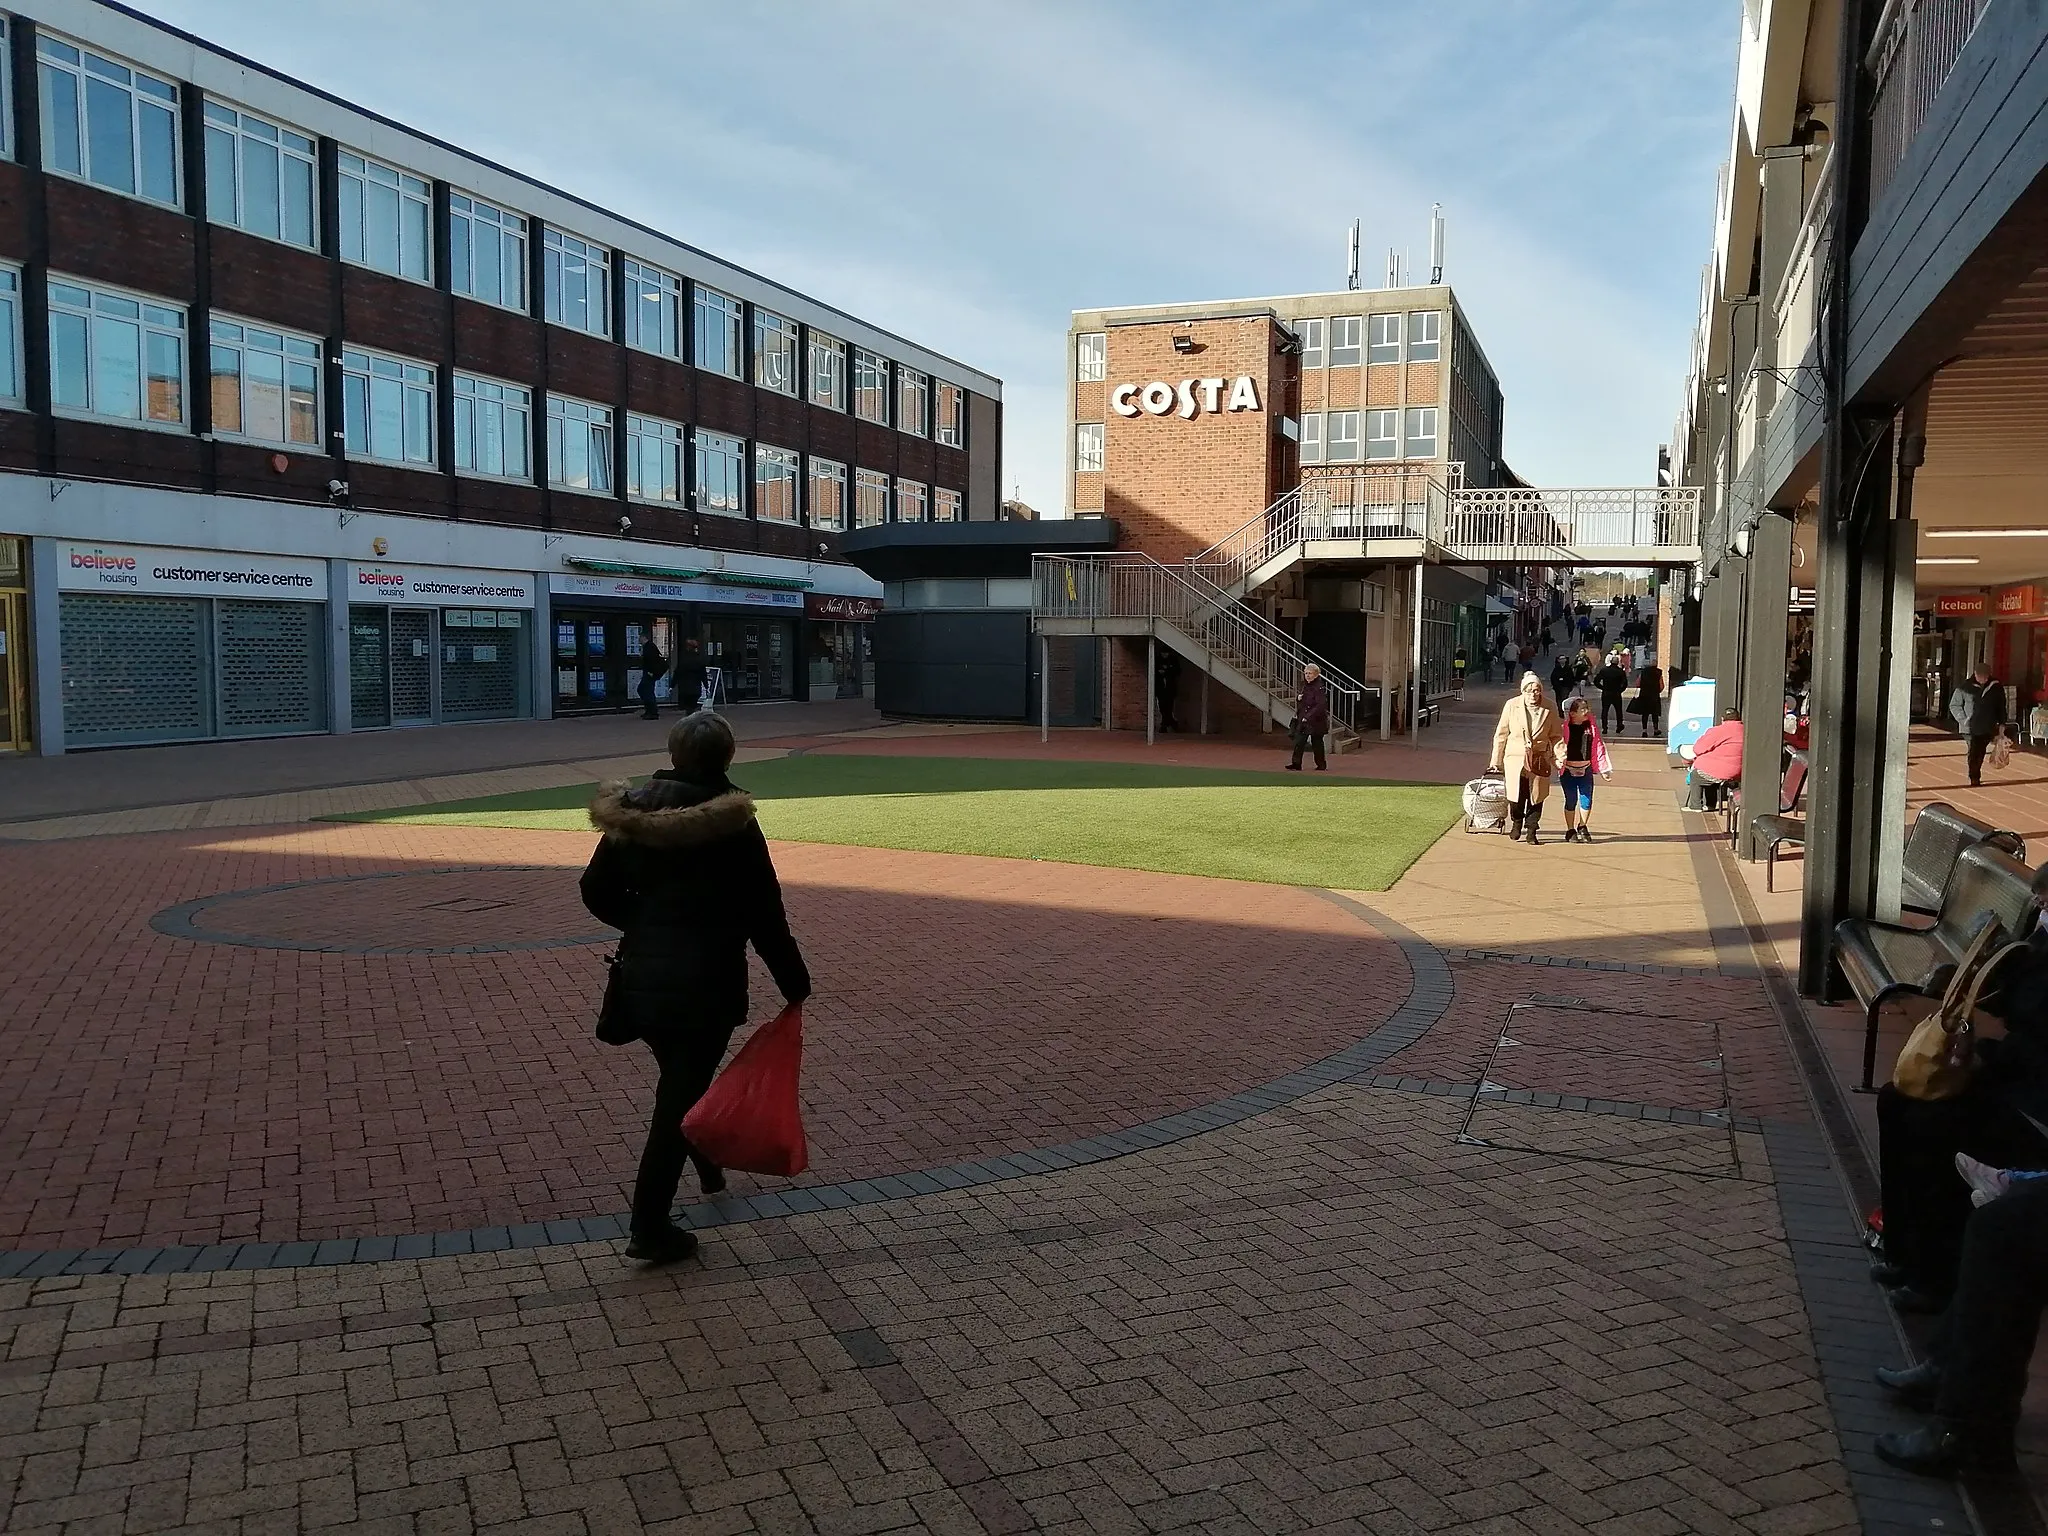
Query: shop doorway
[[412, 666], [14, 714], [756, 657]]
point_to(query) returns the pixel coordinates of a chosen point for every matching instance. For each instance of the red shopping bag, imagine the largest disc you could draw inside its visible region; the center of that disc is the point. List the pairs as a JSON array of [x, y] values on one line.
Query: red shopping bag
[[749, 1117]]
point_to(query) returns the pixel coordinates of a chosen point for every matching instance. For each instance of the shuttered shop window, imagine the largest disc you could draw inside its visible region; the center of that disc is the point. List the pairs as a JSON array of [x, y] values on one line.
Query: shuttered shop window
[[134, 669], [270, 674]]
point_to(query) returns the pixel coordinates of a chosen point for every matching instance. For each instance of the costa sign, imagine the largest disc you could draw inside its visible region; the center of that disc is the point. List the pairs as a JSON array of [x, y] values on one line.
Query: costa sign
[[1188, 399]]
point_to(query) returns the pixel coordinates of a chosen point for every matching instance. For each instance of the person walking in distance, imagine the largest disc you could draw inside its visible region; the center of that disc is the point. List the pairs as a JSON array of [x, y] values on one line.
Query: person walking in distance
[[1580, 754], [1311, 717], [1982, 717], [1564, 675], [1612, 681], [1524, 754], [689, 679], [1166, 683], [684, 873], [1649, 704], [653, 665]]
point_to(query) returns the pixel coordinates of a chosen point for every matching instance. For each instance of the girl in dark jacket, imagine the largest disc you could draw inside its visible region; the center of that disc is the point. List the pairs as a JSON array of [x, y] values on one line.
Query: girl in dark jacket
[[684, 873]]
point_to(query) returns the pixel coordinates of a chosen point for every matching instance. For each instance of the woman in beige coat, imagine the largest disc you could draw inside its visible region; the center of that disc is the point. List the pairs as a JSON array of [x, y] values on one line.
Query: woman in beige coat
[[1525, 753]]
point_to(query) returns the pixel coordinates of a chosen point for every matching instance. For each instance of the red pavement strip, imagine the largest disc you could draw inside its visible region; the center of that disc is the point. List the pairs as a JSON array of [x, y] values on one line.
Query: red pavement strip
[[167, 1091]]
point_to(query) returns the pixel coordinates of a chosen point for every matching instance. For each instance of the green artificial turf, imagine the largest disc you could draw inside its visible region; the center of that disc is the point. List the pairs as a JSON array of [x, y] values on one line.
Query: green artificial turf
[[1286, 828]]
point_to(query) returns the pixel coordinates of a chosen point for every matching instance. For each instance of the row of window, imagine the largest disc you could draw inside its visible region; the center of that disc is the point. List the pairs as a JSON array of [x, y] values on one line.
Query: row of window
[[1415, 337], [121, 357], [1332, 437], [117, 126], [1327, 437]]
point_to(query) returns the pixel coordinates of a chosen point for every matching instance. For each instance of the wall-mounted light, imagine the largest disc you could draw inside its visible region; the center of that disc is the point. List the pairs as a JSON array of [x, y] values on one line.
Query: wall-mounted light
[[1948, 560], [1987, 533], [1186, 344], [1745, 537]]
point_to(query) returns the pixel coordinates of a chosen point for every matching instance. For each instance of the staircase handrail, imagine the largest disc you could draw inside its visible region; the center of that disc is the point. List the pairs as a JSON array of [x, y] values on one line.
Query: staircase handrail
[[1130, 584], [1329, 504]]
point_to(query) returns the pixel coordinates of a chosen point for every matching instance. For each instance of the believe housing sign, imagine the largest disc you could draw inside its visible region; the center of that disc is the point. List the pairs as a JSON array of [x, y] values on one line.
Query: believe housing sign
[[137, 569]]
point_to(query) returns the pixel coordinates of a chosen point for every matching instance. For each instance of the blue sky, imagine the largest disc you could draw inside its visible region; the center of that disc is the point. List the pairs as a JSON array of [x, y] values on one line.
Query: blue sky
[[968, 172]]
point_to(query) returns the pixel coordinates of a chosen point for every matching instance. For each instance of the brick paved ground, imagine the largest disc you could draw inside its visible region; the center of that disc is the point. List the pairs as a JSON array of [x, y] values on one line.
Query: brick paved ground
[[1616, 1291]]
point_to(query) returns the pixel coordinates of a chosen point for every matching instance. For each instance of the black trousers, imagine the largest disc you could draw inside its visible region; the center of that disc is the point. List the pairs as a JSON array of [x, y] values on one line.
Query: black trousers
[[1524, 811], [1978, 746], [1653, 715], [688, 1061], [1612, 701], [1985, 1340], [1926, 1203], [1304, 741], [646, 691]]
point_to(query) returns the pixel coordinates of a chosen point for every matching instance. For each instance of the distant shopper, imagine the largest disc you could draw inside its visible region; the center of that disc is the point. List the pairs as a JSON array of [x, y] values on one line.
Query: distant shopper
[[1564, 676], [1459, 660], [690, 679], [1979, 709], [1649, 701], [684, 873], [1166, 683], [1580, 754], [653, 667], [1612, 682], [1524, 755], [1311, 717]]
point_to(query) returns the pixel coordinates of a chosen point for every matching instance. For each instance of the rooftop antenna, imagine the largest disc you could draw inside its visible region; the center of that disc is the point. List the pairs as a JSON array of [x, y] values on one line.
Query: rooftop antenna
[[1351, 258], [1436, 243], [1393, 267]]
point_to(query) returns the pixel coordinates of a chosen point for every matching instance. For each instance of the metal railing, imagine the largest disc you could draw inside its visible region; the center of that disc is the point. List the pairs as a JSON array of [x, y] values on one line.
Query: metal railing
[[1541, 523], [1129, 585], [1912, 56], [1797, 301], [1394, 502]]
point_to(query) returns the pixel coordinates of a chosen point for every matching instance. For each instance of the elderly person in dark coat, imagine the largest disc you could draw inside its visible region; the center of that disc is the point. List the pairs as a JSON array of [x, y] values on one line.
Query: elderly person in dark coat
[[685, 874]]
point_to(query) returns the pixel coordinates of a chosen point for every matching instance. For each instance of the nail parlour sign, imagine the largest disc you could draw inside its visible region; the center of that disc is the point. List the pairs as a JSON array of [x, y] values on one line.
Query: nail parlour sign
[[1188, 399]]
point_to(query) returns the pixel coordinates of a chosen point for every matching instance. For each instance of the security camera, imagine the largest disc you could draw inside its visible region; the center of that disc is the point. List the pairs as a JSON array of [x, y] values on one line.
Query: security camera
[[337, 488], [625, 525]]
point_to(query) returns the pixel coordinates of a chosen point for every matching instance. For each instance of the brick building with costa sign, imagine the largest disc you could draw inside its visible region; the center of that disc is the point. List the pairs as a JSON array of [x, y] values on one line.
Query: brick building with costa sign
[[1188, 422], [412, 437]]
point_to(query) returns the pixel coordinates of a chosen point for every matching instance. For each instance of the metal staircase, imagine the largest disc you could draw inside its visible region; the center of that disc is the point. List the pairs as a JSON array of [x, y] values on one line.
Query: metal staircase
[[1391, 514], [1133, 594]]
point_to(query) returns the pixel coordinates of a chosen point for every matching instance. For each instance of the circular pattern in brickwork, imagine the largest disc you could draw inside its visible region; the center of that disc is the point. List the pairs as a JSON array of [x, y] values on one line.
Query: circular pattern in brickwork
[[481, 910]]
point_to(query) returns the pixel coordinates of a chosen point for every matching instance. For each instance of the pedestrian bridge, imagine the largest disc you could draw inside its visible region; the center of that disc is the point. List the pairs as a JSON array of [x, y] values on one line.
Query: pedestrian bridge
[[1603, 526]]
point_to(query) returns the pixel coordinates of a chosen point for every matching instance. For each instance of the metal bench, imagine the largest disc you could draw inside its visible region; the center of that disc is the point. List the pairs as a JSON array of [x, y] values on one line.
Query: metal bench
[[1774, 831], [1939, 836], [1884, 960]]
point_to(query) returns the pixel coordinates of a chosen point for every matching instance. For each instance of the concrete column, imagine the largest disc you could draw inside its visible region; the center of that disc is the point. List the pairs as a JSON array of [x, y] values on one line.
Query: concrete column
[[1151, 687], [1415, 667], [1852, 587], [1045, 687], [1391, 604], [340, 707], [1728, 668], [544, 649], [1108, 645], [1763, 672], [47, 646], [1895, 720]]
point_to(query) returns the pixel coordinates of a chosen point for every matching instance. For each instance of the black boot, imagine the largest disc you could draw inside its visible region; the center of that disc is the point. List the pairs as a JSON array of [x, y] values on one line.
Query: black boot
[[1906, 1298], [1514, 828], [1529, 827], [1913, 1385], [1945, 1448], [662, 1245]]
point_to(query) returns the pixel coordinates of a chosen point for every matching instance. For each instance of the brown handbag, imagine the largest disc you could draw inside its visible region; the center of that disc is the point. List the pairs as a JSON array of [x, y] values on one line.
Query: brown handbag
[[1940, 1056]]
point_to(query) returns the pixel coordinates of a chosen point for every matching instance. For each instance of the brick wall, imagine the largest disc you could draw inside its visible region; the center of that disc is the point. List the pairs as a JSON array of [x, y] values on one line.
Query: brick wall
[[1177, 486]]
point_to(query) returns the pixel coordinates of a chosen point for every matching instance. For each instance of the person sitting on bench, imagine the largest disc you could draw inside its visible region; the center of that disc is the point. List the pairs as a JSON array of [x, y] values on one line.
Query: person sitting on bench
[[1716, 757], [1997, 1120]]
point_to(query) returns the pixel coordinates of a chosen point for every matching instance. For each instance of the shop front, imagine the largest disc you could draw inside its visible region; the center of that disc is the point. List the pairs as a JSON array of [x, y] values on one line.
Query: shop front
[[429, 645], [2019, 655], [1958, 636], [747, 638], [16, 729], [842, 652], [160, 645]]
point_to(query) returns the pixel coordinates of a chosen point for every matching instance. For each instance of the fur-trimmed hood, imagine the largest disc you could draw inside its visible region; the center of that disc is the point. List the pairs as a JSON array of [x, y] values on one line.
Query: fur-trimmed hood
[[669, 813]]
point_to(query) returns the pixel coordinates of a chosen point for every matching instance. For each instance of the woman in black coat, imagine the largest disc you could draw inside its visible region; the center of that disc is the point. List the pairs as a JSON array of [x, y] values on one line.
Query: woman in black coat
[[684, 873]]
